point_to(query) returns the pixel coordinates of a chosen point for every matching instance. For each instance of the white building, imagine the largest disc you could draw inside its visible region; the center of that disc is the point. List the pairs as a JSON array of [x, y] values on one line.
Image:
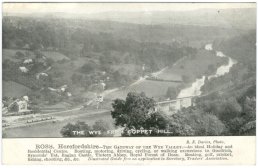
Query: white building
[[19, 105], [103, 85], [208, 47], [99, 99], [27, 61], [23, 69], [41, 74]]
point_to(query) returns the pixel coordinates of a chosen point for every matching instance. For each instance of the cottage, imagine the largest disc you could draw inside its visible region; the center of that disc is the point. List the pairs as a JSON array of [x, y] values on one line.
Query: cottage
[[63, 88], [69, 94], [19, 105], [4, 108], [41, 74], [143, 67], [23, 69], [103, 72], [220, 54], [26, 47], [208, 47], [103, 85], [27, 61], [99, 99], [52, 89]]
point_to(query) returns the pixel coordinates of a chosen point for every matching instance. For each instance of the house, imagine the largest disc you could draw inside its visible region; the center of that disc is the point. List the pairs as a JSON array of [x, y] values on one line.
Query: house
[[23, 69], [19, 105], [52, 89], [27, 61], [26, 47], [220, 54], [41, 74], [4, 109], [99, 98], [69, 94], [208, 47], [63, 88], [143, 67], [103, 85]]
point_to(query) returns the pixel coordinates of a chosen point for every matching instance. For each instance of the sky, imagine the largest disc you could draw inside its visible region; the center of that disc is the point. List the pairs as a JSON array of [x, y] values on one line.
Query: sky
[[107, 7]]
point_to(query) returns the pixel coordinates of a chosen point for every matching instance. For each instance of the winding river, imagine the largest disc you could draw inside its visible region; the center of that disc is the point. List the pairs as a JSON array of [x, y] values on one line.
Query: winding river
[[195, 88]]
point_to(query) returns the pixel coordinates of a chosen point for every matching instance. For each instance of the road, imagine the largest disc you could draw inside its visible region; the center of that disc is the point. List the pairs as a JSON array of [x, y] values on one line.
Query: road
[[144, 78], [58, 116], [79, 111]]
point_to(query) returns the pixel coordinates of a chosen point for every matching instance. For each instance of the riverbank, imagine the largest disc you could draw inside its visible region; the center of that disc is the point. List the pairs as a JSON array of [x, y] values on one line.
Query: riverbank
[[195, 88], [191, 66]]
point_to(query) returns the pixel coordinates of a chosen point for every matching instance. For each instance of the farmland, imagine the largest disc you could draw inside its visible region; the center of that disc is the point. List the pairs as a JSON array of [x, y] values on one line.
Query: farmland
[[13, 89], [186, 66], [56, 56], [10, 54], [74, 69], [51, 129]]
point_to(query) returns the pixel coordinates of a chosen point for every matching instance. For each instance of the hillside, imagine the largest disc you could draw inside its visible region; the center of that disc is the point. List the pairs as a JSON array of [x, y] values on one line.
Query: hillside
[[12, 89]]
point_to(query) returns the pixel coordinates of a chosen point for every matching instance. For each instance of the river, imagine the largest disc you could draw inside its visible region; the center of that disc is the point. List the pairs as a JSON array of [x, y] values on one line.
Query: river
[[195, 88], [52, 130]]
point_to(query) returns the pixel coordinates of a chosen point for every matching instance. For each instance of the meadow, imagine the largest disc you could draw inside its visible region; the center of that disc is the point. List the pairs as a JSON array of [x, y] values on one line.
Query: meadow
[[13, 89]]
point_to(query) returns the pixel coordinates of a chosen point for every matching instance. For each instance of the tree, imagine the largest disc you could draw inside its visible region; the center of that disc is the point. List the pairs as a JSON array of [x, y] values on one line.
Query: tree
[[50, 61], [19, 55], [67, 130], [185, 78], [211, 68], [235, 124], [102, 126], [178, 127], [249, 109], [193, 121], [229, 109], [134, 111], [88, 67], [172, 92]]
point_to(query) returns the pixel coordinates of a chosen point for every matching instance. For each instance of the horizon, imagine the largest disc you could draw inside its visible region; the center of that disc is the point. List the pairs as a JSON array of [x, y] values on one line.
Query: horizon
[[95, 8]]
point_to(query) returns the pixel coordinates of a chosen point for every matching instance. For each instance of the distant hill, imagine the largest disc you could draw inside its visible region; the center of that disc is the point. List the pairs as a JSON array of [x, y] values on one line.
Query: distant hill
[[227, 18], [244, 18]]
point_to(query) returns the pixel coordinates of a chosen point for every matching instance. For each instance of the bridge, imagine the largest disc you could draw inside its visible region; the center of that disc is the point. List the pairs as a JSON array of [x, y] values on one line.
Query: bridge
[[163, 80], [178, 103], [175, 104]]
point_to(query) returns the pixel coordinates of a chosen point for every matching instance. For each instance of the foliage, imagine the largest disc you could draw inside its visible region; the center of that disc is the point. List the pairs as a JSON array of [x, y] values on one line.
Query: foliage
[[134, 111], [198, 123], [186, 79], [67, 130], [172, 92], [100, 125]]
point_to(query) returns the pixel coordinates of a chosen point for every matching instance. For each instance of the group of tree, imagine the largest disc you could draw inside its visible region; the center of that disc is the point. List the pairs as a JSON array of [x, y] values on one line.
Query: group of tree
[[210, 117], [99, 129], [75, 41], [234, 105]]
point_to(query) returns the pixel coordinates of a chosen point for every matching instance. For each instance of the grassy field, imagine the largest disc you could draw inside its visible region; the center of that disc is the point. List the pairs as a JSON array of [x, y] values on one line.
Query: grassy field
[[193, 67], [56, 56], [13, 89], [127, 69], [50, 129], [153, 89], [10, 54]]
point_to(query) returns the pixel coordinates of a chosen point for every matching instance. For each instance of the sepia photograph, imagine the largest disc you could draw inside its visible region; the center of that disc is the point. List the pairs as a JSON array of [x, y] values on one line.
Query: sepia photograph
[[128, 70]]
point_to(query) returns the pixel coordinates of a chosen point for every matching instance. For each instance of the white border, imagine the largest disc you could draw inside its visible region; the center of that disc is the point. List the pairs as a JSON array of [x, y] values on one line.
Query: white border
[[154, 1]]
